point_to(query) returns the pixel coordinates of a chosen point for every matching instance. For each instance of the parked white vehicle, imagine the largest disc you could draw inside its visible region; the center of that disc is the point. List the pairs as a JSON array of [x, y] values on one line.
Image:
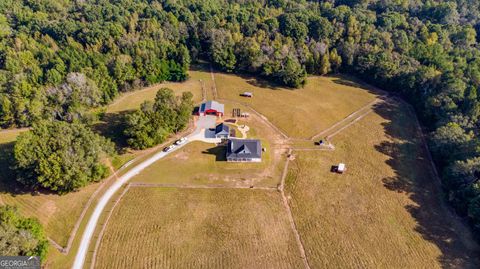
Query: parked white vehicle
[[181, 141], [169, 148]]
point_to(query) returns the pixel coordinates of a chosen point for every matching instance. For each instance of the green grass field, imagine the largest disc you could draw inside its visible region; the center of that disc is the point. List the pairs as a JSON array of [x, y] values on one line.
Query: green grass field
[[300, 113], [192, 228], [385, 211]]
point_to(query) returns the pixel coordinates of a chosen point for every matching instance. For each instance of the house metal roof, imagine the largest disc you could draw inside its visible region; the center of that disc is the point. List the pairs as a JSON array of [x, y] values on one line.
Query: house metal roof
[[244, 148], [222, 128]]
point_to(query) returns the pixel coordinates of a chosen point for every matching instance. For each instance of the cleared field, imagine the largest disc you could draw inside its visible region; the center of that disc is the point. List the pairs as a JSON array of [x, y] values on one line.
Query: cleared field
[[192, 228], [133, 100], [300, 113], [385, 211], [57, 213]]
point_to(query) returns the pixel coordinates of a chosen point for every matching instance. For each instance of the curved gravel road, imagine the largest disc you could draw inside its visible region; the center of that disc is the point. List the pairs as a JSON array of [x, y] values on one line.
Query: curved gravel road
[[92, 223]]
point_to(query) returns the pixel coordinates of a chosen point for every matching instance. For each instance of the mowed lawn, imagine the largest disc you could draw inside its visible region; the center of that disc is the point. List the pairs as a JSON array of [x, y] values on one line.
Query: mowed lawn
[[385, 211], [198, 228], [204, 164], [58, 213], [300, 113]]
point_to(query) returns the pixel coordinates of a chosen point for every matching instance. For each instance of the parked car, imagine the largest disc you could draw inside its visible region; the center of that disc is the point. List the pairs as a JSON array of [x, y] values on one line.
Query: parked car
[[169, 148], [181, 141]]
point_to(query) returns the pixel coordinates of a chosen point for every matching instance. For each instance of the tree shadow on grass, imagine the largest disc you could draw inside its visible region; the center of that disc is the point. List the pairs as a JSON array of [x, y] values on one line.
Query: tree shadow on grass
[[433, 218], [8, 182], [356, 83], [112, 126], [219, 151]]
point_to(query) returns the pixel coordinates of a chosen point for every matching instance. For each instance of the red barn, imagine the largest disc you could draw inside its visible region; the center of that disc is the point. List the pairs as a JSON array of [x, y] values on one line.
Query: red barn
[[211, 108]]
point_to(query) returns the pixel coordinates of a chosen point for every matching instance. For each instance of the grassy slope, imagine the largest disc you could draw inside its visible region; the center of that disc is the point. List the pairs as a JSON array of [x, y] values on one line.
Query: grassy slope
[[301, 113], [172, 228], [384, 212], [133, 100]]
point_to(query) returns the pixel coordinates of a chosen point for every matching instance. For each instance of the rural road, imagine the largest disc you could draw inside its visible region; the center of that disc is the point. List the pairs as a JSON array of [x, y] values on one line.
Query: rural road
[[92, 223]]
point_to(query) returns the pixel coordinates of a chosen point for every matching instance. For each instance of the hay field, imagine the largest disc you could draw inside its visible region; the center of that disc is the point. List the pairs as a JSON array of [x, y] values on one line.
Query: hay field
[[192, 228], [385, 211], [301, 113]]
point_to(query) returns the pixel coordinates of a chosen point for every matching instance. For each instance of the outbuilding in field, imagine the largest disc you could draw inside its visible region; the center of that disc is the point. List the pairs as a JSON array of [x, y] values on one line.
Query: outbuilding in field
[[341, 168], [247, 94], [211, 108]]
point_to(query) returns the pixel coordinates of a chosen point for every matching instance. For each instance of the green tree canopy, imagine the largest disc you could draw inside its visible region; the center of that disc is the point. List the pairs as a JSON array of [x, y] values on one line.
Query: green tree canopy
[[153, 122], [60, 156], [20, 236]]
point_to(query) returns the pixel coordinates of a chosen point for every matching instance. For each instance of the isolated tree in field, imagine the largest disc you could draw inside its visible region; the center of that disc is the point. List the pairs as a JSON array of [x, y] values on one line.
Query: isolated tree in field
[[60, 156], [153, 122], [21, 236]]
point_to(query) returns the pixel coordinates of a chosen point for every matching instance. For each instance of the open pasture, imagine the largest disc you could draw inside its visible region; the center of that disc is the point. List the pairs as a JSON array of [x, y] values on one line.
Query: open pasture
[[198, 228], [386, 210], [300, 113]]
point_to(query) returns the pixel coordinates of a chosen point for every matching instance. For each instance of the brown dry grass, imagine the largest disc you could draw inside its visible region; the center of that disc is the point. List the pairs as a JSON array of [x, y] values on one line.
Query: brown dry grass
[[303, 112], [192, 228], [385, 211], [133, 100]]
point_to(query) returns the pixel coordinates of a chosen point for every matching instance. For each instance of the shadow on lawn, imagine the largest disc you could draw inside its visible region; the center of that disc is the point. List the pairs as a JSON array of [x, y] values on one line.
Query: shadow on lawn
[[112, 126], [219, 152], [433, 220], [8, 183], [351, 81]]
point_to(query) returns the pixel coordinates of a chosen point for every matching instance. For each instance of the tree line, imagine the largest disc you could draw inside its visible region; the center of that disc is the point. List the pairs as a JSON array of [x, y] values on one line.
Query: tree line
[[59, 59]]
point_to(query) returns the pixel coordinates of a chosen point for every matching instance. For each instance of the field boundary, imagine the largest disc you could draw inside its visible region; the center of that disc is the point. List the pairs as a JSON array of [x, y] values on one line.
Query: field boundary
[[281, 188], [214, 87], [457, 222], [195, 186], [263, 117], [104, 226], [349, 117], [73, 233]]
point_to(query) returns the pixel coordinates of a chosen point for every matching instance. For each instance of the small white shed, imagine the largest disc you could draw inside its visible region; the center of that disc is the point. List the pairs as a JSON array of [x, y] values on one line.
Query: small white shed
[[247, 94], [341, 168]]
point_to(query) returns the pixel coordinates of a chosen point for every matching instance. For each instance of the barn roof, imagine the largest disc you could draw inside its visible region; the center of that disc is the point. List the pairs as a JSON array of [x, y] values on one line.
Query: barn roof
[[244, 148], [212, 105]]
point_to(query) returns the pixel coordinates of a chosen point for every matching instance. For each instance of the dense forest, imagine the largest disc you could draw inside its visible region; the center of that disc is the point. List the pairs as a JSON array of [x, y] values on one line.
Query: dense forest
[[60, 58]]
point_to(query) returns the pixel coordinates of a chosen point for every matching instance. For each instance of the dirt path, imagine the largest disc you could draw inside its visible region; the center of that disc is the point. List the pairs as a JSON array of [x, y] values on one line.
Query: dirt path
[[281, 188], [7, 131], [214, 87], [352, 117]]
